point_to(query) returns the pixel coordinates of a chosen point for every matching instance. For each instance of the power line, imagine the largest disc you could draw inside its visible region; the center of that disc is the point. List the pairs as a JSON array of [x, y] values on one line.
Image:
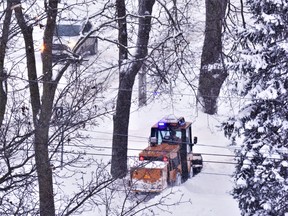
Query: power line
[[136, 90], [133, 156], [98, 148], [228, 147], [218, 174], [140, 141], [202, 172], [149, 161], [220, 162], [138, 149], [146, 139]]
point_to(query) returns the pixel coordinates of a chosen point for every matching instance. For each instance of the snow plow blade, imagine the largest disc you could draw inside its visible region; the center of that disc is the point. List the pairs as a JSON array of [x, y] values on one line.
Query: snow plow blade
[[149, 177]]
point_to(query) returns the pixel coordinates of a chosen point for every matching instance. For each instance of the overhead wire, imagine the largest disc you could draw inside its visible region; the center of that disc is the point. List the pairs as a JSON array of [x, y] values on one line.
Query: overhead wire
[[134, 156], [99, 148], [146, 139], [136, 90], [131, 156], [217, 174], [202, 172], [228, 146], [198, 144], [95, 147]]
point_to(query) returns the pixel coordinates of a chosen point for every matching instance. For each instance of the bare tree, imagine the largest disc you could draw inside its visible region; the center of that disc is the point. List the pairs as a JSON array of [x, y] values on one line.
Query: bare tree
[[170, 58], [30, 145], [46, 117], [15, 180], [127, 76], [212, 72], [41, 108]]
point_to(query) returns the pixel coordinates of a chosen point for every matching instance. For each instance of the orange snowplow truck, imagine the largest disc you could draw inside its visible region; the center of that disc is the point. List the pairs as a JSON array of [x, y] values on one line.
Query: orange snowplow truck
[[169, 158]]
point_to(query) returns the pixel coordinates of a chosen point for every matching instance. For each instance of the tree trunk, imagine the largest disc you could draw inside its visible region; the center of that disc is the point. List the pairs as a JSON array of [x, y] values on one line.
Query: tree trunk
[[122, 30], [126, 82], [3, 75], [120, 133], [41, 112], [44, 168], [212, 71], [142, 94]]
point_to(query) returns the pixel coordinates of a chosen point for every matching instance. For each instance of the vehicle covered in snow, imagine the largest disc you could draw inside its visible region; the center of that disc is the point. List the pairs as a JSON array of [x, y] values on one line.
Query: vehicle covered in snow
[[73, 39], [169, 159]]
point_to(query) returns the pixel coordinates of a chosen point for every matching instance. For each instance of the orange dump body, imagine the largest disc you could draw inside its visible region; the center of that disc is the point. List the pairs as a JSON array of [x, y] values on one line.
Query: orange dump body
[[151, 174], [158, 152], [149, 177]]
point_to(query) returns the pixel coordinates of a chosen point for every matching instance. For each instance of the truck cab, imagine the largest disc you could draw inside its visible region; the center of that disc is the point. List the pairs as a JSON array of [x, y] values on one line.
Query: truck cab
[[172, 131]]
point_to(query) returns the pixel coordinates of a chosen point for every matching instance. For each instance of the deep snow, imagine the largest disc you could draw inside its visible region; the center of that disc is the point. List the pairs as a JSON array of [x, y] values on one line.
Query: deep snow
[[206, 194], [209, 191]]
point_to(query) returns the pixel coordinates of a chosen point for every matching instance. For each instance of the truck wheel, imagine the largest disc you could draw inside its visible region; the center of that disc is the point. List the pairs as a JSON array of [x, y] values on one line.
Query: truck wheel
[[191, 173], [197, 170], [178, 179]]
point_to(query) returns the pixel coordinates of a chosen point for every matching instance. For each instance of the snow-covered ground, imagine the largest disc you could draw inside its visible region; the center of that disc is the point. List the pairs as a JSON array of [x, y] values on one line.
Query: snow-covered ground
[[208, 191], [206, 194]]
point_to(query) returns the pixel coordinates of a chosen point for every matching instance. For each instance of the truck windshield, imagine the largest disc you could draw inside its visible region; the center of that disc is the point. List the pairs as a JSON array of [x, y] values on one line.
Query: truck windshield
[[165, 135], [67, 30]]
